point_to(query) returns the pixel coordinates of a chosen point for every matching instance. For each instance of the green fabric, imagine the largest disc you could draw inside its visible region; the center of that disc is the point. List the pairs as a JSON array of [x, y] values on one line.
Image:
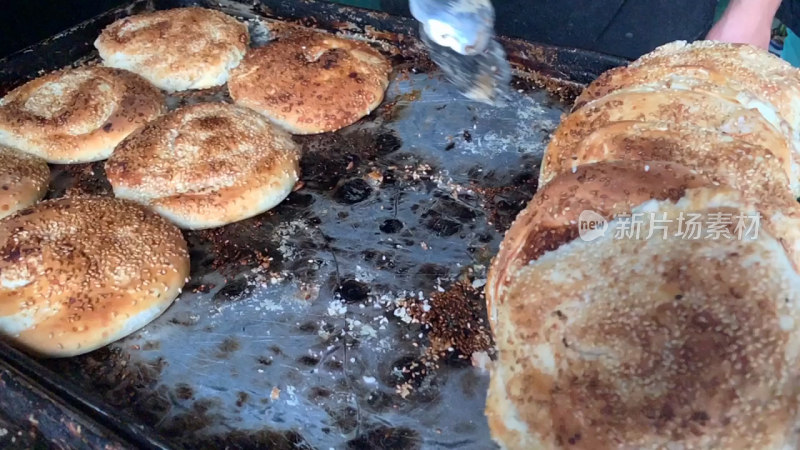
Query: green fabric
[[721, 6], [791, 48]]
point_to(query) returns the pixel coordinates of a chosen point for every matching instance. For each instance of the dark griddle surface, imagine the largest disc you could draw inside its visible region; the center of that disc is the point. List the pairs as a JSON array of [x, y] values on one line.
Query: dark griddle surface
[[301, 327]]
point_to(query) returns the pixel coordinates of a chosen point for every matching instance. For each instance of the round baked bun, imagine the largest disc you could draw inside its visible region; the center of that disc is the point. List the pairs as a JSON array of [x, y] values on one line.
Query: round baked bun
[[551, 218], [23, 180], [750, 168], [685, 107], [311, 82], [176, 49], [206, 165], [77, 115], [79, 273], [740, 66], [761, 80], [659, 342]]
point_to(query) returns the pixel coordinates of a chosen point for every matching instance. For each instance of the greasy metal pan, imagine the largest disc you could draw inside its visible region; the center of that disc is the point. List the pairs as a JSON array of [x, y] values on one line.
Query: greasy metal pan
[[350, 316]]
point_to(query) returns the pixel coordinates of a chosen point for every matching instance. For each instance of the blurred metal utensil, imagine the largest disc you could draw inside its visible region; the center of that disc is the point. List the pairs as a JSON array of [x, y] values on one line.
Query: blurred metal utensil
[[459, 35]]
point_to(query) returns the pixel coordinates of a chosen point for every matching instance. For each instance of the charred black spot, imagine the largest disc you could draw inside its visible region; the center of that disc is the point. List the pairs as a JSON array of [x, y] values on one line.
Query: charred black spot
[[450, 146], [231, 291], [241, 398], [228, 346], [317, 393], [12, 254], [353, 291], [353, 191], [107, 127], [264, 361], [308, 327], [701, 416], [299, 199], [443, 227], [467, 136], [308, 360], [391, 226], [387, 143], [184, 392]]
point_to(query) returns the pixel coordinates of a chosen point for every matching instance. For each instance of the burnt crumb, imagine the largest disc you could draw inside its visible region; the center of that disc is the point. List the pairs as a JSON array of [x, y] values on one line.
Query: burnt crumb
[[574, 439], [447, 217], [276, 351], [408, 371], [379, 401], [333, 365], [484, 238], [388, 142], [456, 323], [353, 191], [299, 200], [243, 440], [241, 398], [185, 322], [151, 345], [154, 405], [78, 180], [330, 59], [503, 204], [184, 426], [346, 419], [265, 361], [200, 260], [317, 393], [391, 226], [330, 157], [701, 417], [308, 327], [467, 136], [353, 291], [449, 146], [387, 438], [121, 382], [231, 291], [228, 346], [428, 273], [12, 254], [235, 248], [308, 360], [184, 392]]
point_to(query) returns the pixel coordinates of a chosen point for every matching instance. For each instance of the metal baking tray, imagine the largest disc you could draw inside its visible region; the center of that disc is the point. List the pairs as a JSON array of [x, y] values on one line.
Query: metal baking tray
[[351, 315]]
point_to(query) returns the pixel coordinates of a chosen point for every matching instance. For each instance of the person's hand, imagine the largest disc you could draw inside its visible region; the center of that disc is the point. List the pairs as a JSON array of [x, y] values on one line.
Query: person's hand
[[746, 22]]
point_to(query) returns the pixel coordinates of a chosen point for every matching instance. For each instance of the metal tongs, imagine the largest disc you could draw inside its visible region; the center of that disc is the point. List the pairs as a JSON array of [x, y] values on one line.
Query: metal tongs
[[460, 38]]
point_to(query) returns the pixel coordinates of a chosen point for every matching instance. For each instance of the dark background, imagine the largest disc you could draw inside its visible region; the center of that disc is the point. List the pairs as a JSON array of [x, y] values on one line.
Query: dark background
[[618, 27]]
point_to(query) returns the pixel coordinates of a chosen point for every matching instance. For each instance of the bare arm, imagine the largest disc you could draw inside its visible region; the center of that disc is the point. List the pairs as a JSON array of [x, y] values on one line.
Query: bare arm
[[746, 21]]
